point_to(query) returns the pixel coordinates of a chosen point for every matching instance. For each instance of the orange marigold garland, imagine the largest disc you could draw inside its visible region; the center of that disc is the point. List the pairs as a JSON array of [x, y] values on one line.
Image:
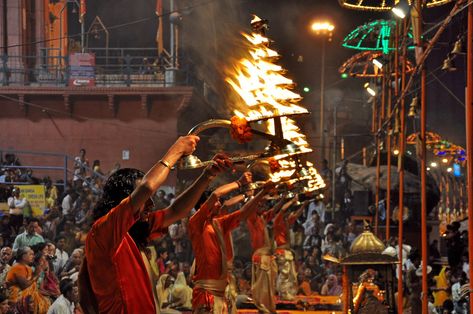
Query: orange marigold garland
[[240, 130], [274, 165]]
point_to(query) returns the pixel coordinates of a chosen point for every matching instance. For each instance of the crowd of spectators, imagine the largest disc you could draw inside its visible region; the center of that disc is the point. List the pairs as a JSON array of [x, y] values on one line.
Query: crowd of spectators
[[40, 257]]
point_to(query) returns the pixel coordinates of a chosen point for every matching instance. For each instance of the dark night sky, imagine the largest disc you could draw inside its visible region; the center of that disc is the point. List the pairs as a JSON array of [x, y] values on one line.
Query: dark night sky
[[210, 35]]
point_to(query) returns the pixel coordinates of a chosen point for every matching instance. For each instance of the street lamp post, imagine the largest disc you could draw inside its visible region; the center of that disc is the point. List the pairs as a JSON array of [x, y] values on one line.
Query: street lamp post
[[325, 29]]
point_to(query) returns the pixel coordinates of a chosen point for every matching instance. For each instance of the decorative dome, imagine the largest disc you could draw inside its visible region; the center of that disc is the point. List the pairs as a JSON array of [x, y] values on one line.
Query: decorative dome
[[367, 242]]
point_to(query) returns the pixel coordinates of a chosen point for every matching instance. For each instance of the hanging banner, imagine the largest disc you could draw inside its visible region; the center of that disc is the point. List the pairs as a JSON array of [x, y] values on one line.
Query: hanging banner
[[82, 69], [35, 195]]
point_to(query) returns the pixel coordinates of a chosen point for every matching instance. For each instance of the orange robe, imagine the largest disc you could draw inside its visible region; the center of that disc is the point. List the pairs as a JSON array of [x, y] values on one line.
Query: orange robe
[[281, 228], [264, 269], [210, 237], [117, 272], [257, 229]]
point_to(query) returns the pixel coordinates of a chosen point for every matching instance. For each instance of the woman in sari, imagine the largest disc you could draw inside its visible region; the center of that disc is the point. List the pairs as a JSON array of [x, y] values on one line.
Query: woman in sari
[[22, 281], [181, 293], [163, 290]]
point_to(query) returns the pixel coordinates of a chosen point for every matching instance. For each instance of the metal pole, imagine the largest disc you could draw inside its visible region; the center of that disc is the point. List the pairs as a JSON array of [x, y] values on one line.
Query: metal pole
[[423, 178], [334, 159], [171, 35], [378, 168], [82, 36], [322, 90], [402, 141], [389, 154], [423, 169], [65, 171], [469, 142]]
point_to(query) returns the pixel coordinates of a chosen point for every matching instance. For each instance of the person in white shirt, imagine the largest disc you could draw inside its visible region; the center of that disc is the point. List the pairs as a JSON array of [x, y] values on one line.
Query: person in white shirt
[[319, 207], [81, 164], [66, 204], [312, 221], [61, 255], [65, 304], [16, 205]]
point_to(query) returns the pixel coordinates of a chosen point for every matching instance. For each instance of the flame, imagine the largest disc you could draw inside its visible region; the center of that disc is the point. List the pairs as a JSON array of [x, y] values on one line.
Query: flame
[[261, 84], [292, 133], [255, 19], [316, 182], [265, 92], [288, 168]]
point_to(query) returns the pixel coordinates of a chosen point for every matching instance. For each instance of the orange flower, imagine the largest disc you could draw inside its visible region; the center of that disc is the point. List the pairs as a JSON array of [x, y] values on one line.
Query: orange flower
[[274, 165], [240, 130]]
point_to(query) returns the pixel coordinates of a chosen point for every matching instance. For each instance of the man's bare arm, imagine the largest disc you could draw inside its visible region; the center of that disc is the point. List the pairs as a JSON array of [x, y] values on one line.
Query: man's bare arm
[[253, 204], [160, 171], [187, 200]]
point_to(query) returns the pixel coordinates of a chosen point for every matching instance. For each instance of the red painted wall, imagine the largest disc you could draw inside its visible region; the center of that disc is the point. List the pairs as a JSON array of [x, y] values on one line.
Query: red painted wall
[[103, 136]]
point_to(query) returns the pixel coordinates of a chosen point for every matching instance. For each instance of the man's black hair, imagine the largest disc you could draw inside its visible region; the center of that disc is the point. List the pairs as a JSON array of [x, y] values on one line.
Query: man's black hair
[[32, 219], [65, 286], [202, 199], [118, 186], [160, 250], [38, 247]]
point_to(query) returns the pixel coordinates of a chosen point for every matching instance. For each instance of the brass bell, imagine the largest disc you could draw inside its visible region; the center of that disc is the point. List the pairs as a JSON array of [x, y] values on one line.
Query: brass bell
[[448, 65], [457, 47], [413, 108]]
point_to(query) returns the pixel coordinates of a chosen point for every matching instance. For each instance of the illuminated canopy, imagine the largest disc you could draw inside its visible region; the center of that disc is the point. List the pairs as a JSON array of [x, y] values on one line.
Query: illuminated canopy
[[383, 5], [374, 35]]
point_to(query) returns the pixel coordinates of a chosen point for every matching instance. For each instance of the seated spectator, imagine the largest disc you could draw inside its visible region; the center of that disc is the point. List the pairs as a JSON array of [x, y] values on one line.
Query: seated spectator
[[81, 235], [163, 290], [304, 285], [181, 293], [47, 281], [69, 235], [61, 255], [51, 222], [331, 286], [65, 304], [72, 267], [22, 281], [7, 231], [161, 260], [5, 258], [30, 237]]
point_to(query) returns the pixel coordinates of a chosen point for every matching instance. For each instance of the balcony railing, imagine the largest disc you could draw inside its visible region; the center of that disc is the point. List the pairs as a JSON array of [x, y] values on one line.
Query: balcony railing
[[113, 67]]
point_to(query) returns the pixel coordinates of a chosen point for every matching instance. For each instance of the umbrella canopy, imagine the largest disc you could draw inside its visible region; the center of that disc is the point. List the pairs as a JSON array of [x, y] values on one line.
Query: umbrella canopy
[[365, 178]]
